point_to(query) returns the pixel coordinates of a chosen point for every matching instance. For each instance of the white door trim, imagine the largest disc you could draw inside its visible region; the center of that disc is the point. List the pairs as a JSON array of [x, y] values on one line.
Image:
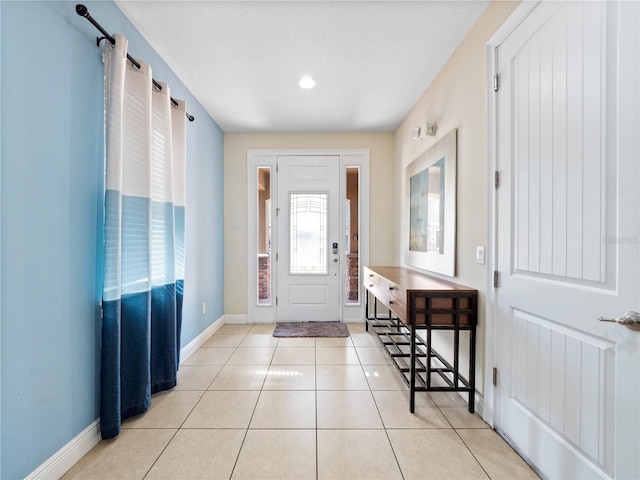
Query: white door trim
[[518, 15], [268, 158]]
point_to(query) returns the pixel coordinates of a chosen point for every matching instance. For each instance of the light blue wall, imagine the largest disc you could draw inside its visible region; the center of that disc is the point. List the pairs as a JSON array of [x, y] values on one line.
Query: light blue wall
[[51, 174], [0, 247]]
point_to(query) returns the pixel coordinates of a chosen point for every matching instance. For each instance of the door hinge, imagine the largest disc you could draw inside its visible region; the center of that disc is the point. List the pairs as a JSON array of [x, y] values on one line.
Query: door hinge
[[495, 376], [496, 278], [276, 301], [496, 82], [496, 179], [276, 168], [276, 256]]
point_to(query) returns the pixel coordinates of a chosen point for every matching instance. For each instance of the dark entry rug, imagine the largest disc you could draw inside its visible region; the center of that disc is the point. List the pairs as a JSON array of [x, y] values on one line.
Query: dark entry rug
[[311, 329]]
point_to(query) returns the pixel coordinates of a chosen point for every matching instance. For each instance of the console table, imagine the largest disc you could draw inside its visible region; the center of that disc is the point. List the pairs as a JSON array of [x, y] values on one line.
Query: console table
[[416, 302]]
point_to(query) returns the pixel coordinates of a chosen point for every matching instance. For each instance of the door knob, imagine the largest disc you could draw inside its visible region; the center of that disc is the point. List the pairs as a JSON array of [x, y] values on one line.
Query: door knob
[[630, 320]]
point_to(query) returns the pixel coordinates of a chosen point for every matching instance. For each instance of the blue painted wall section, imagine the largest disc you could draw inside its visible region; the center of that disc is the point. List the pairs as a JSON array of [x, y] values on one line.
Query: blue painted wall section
[[51, 222], [0, 246]]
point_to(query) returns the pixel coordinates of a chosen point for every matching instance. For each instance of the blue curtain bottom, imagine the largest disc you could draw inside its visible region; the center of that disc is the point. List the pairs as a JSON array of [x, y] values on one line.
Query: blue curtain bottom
[[140, 352]]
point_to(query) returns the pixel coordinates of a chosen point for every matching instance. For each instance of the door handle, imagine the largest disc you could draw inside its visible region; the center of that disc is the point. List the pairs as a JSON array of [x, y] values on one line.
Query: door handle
[[630, 320]]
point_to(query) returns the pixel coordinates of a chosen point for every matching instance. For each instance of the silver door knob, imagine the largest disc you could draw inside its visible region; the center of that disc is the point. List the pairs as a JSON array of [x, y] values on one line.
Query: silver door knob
[[630, 320]]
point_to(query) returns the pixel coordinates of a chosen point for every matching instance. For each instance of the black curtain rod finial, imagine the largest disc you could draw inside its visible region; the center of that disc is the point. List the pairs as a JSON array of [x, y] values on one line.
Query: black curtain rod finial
[[81, 10]]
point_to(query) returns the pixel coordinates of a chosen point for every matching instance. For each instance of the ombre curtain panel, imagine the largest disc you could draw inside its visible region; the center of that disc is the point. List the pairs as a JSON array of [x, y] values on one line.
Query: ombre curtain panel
[[143, 237]]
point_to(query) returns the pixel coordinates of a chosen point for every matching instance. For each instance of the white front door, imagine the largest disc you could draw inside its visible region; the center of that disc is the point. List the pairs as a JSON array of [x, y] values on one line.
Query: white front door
[[568, 385], [309, 244]]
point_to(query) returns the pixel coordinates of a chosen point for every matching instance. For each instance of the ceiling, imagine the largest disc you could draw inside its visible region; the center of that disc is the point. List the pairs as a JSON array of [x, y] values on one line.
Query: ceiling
[[242, 60]]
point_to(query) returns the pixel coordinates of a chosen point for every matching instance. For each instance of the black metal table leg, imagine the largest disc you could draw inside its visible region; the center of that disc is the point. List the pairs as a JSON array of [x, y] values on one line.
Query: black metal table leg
[[472, 361], [412, 371], [366, 311]]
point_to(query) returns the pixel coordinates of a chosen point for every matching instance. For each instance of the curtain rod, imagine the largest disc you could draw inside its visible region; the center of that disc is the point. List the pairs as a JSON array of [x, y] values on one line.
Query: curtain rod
[[83, 12]]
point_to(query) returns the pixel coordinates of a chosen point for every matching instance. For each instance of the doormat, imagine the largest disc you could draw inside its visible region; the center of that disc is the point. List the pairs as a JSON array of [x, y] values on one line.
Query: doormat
[[311, 329]]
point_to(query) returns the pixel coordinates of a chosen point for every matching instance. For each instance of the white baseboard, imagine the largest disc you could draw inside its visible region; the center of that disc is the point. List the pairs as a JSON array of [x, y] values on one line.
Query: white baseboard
[[201, 339], [480, 406], [235, 318], [483, 410], [65, 458]]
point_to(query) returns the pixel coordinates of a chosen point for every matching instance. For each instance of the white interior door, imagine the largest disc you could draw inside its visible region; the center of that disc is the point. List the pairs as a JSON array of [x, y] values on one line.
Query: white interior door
[[309, 244], [568, 391]]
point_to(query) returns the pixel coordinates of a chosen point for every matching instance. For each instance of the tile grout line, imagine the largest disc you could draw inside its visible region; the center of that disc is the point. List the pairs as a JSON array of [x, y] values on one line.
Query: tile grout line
[[177, 429], [246, 432], [205, 391], [160, 454], [460, 437], [384, 426], [472, 454], [186, 417], [386, 432]]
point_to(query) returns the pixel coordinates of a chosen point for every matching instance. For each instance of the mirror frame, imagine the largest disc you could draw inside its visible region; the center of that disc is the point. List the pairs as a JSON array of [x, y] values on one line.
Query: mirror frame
[[443, 263]]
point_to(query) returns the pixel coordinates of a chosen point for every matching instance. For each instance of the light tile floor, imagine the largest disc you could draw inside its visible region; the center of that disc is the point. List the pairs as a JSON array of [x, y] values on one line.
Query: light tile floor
[[251, 406]]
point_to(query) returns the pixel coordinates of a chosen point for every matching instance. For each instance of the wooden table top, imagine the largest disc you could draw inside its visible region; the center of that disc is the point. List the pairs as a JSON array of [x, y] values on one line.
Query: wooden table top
[[412, 280]]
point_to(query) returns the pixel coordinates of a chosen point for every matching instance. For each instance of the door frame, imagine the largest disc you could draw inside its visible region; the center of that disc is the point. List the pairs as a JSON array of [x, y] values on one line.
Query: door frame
[[358, 157], [507, 28]]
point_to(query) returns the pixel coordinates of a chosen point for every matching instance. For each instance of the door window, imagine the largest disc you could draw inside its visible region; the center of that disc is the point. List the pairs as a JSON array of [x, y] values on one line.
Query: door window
[[308, 233]]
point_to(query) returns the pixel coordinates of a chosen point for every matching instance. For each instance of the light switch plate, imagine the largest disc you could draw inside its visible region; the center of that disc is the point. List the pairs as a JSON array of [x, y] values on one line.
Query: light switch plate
[[480, 255]]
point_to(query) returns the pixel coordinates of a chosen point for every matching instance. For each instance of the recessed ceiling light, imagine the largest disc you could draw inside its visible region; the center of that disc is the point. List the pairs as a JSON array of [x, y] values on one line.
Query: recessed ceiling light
[[307, 82]]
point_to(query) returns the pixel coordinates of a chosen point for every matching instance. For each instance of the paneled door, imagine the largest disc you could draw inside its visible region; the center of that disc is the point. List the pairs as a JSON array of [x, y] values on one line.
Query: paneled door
[[309, 242], [567, 215]]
